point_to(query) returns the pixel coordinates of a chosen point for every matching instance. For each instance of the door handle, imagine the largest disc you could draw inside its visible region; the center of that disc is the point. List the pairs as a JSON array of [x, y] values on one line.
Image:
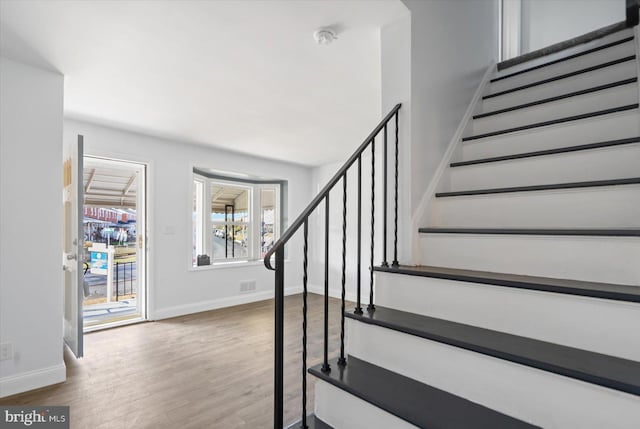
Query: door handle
[[72, 256]]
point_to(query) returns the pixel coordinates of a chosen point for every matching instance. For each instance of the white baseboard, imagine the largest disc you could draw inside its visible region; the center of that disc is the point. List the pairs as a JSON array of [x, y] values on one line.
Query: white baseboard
[[183, 310], [197, 307], [30, 380], [421, 212], [337, 293]]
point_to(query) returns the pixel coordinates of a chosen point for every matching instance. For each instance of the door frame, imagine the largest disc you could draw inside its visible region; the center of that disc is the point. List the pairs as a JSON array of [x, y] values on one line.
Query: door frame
[[144, 270]]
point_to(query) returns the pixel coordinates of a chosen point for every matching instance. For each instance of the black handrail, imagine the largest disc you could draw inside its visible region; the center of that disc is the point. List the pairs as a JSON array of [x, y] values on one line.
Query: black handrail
[[303, 220], [291, 230]]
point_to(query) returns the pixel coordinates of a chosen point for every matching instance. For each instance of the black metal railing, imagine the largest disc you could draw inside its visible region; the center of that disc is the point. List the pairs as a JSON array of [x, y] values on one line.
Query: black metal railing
[[122, 266], [277, 253]]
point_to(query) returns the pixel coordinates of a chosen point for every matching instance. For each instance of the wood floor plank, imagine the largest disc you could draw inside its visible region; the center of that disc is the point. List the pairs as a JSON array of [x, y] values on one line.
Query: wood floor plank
[[207, 370]]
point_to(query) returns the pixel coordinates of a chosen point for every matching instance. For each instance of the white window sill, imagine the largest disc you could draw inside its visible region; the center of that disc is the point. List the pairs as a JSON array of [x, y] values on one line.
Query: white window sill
[[227, 265]]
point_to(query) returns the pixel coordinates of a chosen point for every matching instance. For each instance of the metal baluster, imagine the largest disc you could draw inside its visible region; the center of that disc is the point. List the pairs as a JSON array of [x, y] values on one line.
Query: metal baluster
[[371, 307], [304, 325], [395, 227], [384, 203], [278, 412], [358, 309], [325, 364], [117, 280], [233, 231], [342, 360], [226, 232]]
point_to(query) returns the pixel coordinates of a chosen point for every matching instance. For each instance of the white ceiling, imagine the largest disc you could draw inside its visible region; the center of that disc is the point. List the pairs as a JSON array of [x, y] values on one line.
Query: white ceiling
[[242, 75]]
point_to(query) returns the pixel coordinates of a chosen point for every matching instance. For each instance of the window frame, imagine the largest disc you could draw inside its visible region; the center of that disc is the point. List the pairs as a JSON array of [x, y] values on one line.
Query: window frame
[[254, 188]]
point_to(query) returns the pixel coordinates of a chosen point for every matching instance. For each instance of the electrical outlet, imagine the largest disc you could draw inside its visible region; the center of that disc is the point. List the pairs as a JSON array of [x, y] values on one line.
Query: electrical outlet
[[248, 286], [6, 351]]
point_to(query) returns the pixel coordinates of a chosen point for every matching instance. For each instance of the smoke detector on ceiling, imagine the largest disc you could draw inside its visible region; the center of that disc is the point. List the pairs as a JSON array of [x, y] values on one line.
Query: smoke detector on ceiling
[[324, 36]]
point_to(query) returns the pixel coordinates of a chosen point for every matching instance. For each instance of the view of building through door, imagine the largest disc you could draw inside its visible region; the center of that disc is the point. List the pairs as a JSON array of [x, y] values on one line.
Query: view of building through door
[[114, 258]]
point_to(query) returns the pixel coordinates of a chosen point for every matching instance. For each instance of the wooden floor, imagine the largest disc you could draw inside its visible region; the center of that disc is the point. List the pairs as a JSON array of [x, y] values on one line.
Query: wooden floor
[[207, 370]]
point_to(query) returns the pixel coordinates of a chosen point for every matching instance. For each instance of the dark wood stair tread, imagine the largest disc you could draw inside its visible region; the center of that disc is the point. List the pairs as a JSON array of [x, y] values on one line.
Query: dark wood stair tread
[[560, 46], [312, 423], [567, 149], [562, 76], [607, 371], [611, 291], [563, 59], [415, 402], [557, 98], [551, 186], [584, 232], [552, 122]]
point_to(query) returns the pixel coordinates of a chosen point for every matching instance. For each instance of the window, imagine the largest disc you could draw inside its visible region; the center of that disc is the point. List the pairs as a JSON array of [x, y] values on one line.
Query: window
[[233, 220]]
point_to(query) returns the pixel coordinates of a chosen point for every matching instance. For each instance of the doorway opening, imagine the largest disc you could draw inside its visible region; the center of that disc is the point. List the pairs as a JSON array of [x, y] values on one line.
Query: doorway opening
[[114, 225]]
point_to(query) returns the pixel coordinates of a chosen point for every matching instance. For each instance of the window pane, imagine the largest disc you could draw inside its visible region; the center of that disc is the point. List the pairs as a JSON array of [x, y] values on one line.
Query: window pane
[[230, 242], [230, 216], [267, 219], [197, 220]]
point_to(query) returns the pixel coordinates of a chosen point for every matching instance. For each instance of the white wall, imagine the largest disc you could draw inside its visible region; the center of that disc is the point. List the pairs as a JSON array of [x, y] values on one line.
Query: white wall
[[452, 43], [432, 61], [396, 45], [30, 226], [320, 177], [177, 288], [395, 79], [545, 22]]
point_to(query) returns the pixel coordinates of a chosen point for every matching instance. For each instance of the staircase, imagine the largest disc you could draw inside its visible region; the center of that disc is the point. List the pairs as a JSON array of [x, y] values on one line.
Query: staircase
[[525, 309]]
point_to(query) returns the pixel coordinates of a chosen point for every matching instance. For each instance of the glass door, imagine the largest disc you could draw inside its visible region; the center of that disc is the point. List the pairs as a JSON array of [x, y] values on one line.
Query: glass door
[[72, 195], [114, 214]]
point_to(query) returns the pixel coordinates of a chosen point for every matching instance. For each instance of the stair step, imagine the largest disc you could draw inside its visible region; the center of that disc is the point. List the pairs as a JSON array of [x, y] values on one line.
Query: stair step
[[567, 58], [562, 76], [565, 67], [602, 207], [606, 162], [607, 371], [571, 287], [591, 79], [610, 98], [536, 396], [312, 423], [548, 309], [558, 97], [410, 400], [553, 122], [560, 50], [583, 232], [616, 126], [572, 185], [597, 258], [554, 151]]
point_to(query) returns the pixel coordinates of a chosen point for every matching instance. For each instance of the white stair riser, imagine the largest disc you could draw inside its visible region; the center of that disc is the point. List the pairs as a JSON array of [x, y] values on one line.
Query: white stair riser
[[341, 410], [597, 259], [598, 207], [539, 397], [603, 128], [587, 103], [564, 67], [567, 52], [592, 79], [600, 325], [615, 162]]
